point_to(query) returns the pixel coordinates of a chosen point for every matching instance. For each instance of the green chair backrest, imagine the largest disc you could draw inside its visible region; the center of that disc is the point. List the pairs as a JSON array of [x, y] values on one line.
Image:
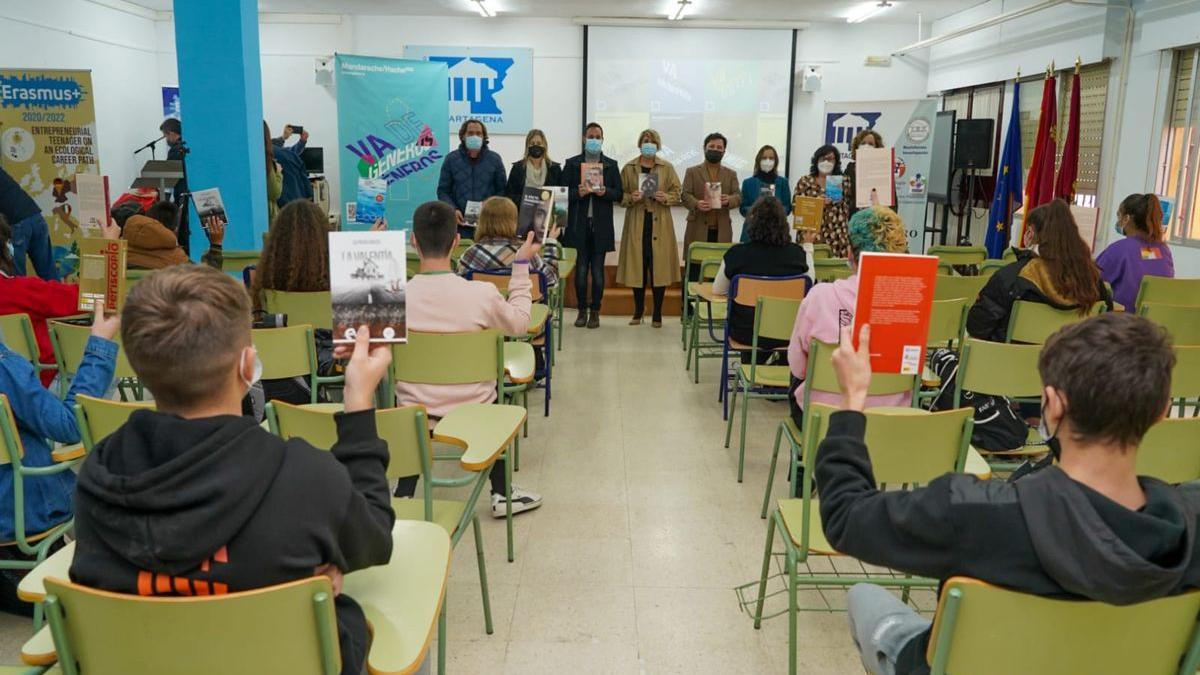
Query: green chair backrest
[[822, 252], [285, 352], [235, 261], [1182, 322], [959, 255], [69, 342], [947, 320], [1168, 291], [948, 287], [404, 430], [1009, 255], [750, 289], [10, 439], [289, 628], [1185, 378], [999, 368], [1043, 636], [774, 318], [700, 251], [1170, 451], [821, 377], [830, 269], [16, 331], [990, 267], [314, 308], [1035, 322], [708, 269], [99, 417], [449, 358]]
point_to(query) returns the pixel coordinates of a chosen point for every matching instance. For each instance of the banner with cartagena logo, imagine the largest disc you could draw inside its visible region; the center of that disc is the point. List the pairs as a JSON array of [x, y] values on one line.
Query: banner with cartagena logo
[[47, 135], [490, 84], [391, 115]]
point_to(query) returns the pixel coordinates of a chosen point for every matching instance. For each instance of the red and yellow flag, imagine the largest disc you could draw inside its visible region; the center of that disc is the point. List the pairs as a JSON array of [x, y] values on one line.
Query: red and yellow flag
[[1039, 187], [1068, 169]]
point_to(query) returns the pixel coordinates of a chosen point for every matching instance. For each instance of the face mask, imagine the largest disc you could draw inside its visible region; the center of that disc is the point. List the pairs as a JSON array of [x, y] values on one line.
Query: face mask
[[258, 371], [473, 142], [649, 149], [536, 151], [766, 165], [593, 145], [1043, 429], [825, 167], [713, 156], [1120, 230]]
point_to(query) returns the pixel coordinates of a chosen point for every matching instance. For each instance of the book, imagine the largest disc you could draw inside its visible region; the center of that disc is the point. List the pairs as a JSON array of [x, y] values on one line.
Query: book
[[833, 188], [471, 214], [366, 285], [560, 205], [712, 194], [593, 175], [873, 177], [372, 200], [766, 190], [102, 274], [807, 212], [208, 203], [91, 190], [895, 296], [648, 185], [536, 205]]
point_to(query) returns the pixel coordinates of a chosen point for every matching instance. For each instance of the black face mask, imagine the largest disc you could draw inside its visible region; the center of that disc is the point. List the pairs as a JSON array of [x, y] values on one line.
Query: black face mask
[[714, 156], [536, 151]]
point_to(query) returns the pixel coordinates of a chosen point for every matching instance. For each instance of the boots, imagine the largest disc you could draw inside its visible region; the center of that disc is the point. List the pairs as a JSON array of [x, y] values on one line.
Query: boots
[[594, 319], [583, 318]]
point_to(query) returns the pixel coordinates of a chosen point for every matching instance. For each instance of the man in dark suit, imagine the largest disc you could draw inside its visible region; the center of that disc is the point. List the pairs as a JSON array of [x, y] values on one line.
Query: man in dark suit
[[590, 219], [172, 130]]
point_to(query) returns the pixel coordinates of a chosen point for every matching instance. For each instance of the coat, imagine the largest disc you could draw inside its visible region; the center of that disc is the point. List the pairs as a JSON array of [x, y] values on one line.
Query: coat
[[516, 179], [665, 248], [463, 180], [151, 245], [700, 222], [602, 205]]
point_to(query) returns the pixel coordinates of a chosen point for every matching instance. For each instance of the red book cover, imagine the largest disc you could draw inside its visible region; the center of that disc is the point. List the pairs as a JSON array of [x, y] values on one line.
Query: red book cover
[[895, 296]]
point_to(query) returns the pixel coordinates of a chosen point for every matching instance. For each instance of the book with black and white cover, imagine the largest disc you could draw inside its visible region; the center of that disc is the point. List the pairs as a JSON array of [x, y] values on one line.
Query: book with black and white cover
[[536, 205], [648, 185], [767, 189], [208, 203], [560, 204], [471, 213], [367, 285]]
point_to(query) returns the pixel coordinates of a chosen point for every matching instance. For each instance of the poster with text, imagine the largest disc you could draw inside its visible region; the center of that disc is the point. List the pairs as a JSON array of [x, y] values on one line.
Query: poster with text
[[47, 136], [391, 115], [844, 119], [490, 84]]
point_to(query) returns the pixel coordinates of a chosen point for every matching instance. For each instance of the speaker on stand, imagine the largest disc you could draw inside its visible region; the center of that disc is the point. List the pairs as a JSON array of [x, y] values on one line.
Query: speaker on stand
[[972, 151]]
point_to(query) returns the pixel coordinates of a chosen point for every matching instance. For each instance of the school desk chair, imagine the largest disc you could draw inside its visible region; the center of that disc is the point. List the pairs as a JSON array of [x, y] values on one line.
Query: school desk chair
[[826, 270], [1181, 321], [16, 331], [947, 287], [100, 417], [1168, 291], [314, 308], [70, 340], [1169, 451], [1185, 379], [947, 328], [540, 334], [1035, 322], [1003, 369], [744, 291], [709, 310], [958, 255], [290, 352], [698, 252]]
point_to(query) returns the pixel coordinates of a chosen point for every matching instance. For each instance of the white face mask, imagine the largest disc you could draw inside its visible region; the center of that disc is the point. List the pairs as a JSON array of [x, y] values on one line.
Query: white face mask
[[766, 165], [258, 370], [825, 167]]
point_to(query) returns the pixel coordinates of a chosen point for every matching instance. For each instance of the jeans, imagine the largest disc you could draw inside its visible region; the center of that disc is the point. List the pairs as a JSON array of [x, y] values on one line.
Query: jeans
[[589, 263], [32, 236], [881, 626]]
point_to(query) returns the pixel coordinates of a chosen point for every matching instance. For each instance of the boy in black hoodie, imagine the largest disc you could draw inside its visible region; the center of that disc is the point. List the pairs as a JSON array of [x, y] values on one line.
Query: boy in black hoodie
[[194, 499], [1087, 527]]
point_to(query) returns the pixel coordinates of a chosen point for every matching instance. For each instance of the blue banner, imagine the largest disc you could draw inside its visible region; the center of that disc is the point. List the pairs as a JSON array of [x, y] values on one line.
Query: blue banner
[[491, 84], [1008, 184], [170, 97], [391, 116]]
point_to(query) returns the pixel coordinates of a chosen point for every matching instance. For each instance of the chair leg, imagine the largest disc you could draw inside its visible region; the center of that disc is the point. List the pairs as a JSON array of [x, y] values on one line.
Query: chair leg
[[483, 584], [771, 471], [766, 569], [742, 439], [790, 564], [516, 454], [441, 657], [508, 514], [729, 415], [39, 617], [525, 405]]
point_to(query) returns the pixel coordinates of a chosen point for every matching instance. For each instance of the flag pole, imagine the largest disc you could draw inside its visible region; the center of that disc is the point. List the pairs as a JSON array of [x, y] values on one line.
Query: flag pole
[[1078, 63]]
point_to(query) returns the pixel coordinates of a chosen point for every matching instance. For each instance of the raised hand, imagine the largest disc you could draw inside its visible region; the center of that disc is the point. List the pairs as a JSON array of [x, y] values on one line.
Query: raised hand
[[853, 367], [367, 366]]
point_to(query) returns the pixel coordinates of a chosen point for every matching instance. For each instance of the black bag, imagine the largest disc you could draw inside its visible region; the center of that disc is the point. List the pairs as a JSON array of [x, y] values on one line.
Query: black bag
[[997, 426]]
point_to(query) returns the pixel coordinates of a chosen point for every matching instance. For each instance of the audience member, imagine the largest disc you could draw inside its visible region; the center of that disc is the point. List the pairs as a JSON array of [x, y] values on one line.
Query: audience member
[[535, 169], [30, 235], [826, 162], [152, 243], [440, 301], [194, 498], [1142, 252], [649, 252], [589, 220], [766, 180], [472, 173], [295, 175], [496, 244], [708, 214], [1087, 527]]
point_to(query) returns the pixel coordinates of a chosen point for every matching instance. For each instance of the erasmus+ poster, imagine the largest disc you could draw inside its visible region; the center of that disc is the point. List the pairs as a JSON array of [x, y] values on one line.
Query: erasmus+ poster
[[47, 135], [391, 125]]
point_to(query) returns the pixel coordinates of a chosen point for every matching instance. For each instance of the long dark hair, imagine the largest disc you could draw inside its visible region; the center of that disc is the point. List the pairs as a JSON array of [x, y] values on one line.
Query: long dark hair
[[767, 223], [1066, 257], [1146, 213], [269, 150], [7, 264], [296, 255], [822, 151]]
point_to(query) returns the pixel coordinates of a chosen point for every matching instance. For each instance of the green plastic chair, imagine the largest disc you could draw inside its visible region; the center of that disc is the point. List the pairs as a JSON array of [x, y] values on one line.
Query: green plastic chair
[[1182, 322], [290, 352], [289, 628], [987, 630], [959, 255], [907, 449], [948, 287], [822, 251], [16, 330], [831, 269], [698, 253], [314, 308], [1169, 451], [713, 316], [99, 417], [990, 267], [1035, 322], [1185, 378], [1004, 370], [69, 341], [947, 328], [133, 277], [236, 261], [1167, 291], [458, 251]]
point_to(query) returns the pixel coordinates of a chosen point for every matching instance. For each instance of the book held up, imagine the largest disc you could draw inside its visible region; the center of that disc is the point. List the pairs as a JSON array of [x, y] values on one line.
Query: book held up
[[208, 204], [712, 194], [372, 200], [895, 296], [367, 285], [102, 274], [648, 185], [807, 212], [593, 175], [537, 203]]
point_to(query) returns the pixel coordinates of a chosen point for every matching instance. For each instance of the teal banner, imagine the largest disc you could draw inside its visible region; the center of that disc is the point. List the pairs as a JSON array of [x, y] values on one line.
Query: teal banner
[[391, 125]]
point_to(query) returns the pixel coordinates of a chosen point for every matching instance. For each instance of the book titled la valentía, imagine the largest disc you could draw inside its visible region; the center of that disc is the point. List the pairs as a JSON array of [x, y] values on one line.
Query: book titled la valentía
[[895, 296], [366, 280], [101, 274]]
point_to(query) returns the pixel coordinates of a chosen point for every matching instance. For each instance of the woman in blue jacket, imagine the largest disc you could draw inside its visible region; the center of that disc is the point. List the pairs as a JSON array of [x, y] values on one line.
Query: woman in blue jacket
[[766, 179]]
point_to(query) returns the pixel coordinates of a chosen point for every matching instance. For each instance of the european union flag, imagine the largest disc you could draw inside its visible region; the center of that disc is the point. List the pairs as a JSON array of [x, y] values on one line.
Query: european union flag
[[1008, 183]]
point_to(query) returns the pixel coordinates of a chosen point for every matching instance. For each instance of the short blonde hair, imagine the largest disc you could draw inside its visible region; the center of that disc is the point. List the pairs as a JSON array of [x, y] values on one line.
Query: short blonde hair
[[652, 135], [537, 133], [497, 219], [183, 329]]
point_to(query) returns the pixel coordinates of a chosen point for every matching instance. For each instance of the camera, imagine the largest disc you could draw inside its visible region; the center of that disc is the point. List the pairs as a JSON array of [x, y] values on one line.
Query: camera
[[267, 320]]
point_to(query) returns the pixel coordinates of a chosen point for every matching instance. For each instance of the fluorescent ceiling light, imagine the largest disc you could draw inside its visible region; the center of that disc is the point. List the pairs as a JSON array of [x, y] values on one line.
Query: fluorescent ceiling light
[[864, 12], [683, 4], [484, 10]]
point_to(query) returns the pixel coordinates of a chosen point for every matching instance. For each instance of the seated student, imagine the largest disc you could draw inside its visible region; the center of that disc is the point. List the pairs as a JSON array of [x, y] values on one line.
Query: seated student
[[152, 244], [768, 251], [194, 498], [441, 302], [41, 419], [829, 307], [496, 243], [1088, 527], [1057, 271], [1142, 252]]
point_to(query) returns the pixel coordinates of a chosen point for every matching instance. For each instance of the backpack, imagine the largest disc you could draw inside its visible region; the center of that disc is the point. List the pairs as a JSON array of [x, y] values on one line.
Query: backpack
[[997, 426]]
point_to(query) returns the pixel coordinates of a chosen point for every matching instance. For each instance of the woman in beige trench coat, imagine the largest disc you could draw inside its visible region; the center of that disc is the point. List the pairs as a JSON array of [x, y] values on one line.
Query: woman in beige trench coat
[[649, 251]]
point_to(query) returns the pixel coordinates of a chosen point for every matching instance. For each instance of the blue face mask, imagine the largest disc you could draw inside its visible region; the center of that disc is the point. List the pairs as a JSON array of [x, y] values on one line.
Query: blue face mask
[[473, 142], [649, 149], [593, 146]]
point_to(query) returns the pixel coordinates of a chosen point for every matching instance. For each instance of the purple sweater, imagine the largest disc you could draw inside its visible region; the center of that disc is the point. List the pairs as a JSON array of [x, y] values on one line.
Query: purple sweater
[[1126, 261]]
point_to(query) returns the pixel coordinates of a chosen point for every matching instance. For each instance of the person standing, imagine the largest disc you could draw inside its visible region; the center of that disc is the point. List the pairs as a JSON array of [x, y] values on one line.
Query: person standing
[[708, 215], [826, 162], [30, 233], [867, 138], [535, 169], [590, 220], [274, 176], [295, 176], [472, 173], [177, 150], [1141, 252], [649, 252], [766, 179]]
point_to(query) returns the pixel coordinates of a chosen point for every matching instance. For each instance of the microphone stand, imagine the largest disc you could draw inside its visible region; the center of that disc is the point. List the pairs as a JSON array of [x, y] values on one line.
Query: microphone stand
[[152, 145]]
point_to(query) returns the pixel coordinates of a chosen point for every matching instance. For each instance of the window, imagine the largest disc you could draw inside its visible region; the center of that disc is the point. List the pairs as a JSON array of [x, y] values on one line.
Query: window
[[1178, 177], [1093, 94]]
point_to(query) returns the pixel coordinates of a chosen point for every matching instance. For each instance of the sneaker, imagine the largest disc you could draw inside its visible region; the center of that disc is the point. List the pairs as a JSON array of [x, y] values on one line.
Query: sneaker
[[635, 321], [593, 319], [582, 320], [522, 500]]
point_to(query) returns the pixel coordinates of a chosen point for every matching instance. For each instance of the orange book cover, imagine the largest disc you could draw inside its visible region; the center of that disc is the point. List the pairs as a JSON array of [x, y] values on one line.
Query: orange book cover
[[895, 296]]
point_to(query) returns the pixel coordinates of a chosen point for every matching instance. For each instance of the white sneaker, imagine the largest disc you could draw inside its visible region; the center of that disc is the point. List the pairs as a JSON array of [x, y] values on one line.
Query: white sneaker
[[522, 500]]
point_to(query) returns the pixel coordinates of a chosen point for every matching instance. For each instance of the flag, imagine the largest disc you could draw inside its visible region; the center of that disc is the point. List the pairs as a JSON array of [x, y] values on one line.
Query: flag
[[1068, 169], [1008, 183], [1040, 186]]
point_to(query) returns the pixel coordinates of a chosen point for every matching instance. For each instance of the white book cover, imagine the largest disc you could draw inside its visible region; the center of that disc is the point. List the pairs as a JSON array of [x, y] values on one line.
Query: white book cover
[[367, 285], [208, 203], [91, 204], [873, 180]]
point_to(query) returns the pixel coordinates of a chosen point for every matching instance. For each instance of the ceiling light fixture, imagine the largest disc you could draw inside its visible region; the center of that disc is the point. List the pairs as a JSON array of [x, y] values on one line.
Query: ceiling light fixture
[[865, 12], [683, 5], [484, 11]]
